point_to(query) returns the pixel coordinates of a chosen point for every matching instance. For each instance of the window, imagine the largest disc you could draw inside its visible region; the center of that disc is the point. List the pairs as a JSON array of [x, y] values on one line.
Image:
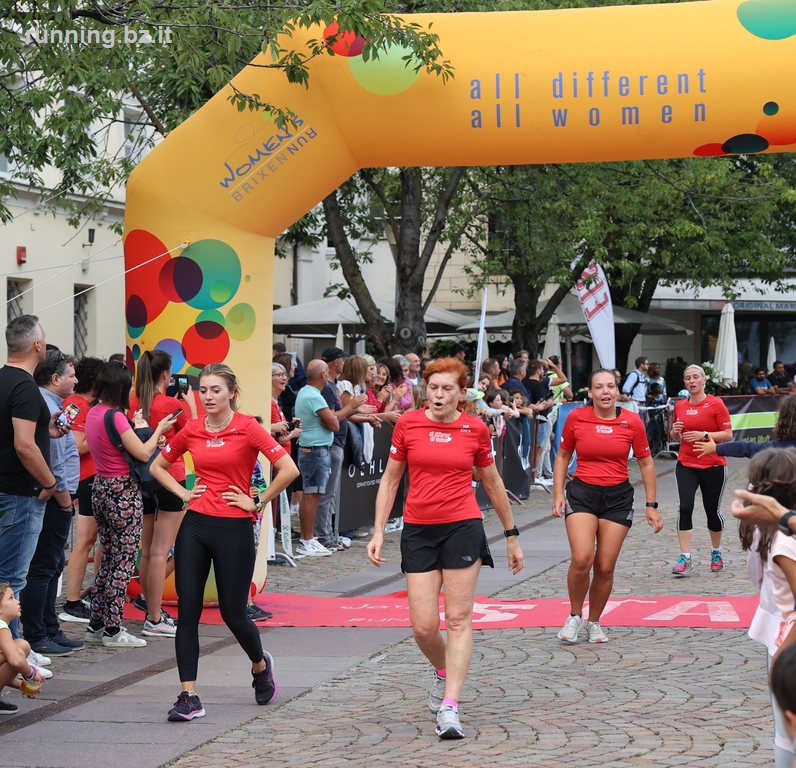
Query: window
[[135, 138], [3, 164], [14, 308], [81, 322]]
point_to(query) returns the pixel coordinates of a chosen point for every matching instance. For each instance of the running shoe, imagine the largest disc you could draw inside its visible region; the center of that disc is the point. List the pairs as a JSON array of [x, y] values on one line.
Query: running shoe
[[93, 635], [571, 629], [437, 693], [716, 563], [448, 725], [62, 639], [595, 632], [7, 708], [140, 602], [264, 683], [255, 613], [312, 548], [77, 611], [187, 707], [43, 671], [683, 566], [345, 541], [38, 660], [163, 628], [122, 639]]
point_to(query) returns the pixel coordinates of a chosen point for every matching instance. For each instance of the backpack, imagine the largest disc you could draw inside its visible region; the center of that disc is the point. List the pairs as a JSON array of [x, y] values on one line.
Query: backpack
[[138, 469]]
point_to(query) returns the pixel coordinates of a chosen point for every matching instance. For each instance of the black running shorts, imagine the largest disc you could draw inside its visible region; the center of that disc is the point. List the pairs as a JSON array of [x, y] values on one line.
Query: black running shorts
[[162, 501], [607, 502], [427, 548]]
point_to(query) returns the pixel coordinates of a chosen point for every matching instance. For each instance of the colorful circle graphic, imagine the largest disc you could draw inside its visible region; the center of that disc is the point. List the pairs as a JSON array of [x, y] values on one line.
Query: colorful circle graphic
[[220, 271], [174, 348], [348, 44], [204, 343], [241, 320], [768, 19], [388, 75]]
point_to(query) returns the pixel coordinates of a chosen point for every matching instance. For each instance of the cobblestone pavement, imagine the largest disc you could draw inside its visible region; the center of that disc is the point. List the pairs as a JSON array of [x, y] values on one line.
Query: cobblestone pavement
[[652, 696]]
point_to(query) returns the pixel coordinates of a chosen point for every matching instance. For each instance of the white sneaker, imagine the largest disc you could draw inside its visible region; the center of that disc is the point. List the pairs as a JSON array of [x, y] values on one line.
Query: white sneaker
[[546, 481], [395, 524], [294, 508], [38, 660], [345, 541], [595, 632], [571, 629], [123, 639], [312, 548]]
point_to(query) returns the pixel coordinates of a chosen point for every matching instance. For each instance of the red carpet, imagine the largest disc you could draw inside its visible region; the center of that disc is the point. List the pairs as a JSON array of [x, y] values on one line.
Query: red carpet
[[293, 610]]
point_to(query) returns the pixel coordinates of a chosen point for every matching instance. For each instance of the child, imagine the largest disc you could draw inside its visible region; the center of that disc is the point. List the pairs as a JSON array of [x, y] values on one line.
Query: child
[[654, 395], [783, 688], [772, 566], [13, 653]]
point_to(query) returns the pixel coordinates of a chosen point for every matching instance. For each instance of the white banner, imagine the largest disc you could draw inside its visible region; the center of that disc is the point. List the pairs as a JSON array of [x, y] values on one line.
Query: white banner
[[595, 301]]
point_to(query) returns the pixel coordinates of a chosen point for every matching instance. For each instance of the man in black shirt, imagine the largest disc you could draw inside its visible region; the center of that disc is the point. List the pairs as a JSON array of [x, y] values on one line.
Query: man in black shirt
[[780, 380], [541, 401], [26, 481]]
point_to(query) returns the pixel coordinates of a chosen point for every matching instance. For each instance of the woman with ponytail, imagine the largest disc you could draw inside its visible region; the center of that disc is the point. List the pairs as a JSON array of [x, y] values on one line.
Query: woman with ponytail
[[163, 511]]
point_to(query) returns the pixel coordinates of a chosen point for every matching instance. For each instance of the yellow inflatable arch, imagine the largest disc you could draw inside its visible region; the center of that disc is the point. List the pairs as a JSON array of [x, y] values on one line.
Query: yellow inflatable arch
[[629, 82]]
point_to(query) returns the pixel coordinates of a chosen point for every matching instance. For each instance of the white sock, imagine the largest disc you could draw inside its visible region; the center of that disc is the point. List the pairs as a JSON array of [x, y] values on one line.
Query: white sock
[[687, 555], [716, 550]]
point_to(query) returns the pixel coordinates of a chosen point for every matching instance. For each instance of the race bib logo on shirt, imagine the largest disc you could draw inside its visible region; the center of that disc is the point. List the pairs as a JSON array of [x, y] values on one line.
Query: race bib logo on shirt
[[215, 442], [692, 412], [465, 427], [393, 449], [439, 437], [602, 429]]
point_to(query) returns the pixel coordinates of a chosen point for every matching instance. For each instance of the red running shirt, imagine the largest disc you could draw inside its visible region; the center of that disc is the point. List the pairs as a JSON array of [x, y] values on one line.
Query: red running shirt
[[441, 458], [87, 466], [603, 445], [222, 459], [709, 415], [162, 406]]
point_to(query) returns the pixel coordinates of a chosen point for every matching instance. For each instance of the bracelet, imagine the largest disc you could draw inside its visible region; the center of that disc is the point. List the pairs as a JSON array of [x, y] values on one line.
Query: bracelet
[[184, 501], [50, 487], [32, 673], [67, 509]]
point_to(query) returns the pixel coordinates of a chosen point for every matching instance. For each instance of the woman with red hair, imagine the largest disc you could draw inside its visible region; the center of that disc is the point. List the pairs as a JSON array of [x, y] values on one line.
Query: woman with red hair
[[443, 540]]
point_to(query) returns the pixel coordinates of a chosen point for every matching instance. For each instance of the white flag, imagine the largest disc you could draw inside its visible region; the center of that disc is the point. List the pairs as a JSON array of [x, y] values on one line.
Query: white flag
[[595, 301]]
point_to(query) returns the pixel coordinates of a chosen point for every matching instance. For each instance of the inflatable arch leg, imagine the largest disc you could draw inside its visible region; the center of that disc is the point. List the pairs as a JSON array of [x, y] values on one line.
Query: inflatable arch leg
[[597, 84]]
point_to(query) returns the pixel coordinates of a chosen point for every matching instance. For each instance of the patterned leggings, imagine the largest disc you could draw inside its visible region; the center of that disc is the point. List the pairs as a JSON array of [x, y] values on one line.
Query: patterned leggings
[[118, 509]]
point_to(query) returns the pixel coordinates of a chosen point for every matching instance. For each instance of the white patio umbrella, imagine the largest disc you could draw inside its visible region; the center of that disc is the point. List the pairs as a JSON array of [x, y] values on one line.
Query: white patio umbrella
[[552, 342], [339, 341], [772, 354], [726, 358]]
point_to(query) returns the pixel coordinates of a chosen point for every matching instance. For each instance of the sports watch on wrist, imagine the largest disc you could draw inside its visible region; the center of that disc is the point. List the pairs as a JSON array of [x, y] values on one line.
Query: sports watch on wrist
[[653, 504], [706, 436], [511, 532], [782, 523]]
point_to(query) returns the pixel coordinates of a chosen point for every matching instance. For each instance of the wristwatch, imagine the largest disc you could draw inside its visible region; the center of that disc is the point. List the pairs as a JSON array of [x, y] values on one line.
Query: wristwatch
[[706, 436], [511, 532], [653, 504], [782, 524]]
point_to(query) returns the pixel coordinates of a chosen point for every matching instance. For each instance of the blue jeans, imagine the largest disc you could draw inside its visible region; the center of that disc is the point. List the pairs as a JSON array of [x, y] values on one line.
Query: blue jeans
[[324, 530], [315, 466], [21, 519], [38, 597]]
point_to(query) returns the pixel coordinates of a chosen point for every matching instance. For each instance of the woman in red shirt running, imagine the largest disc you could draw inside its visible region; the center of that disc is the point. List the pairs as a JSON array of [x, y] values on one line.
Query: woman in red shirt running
[[600, 498], [699, 418], [218, 528], [163, 510], [443, 539]]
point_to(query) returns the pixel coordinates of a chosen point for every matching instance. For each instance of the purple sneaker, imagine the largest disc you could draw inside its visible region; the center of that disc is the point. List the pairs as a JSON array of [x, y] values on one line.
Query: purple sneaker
[[187, 707], [264, 683]]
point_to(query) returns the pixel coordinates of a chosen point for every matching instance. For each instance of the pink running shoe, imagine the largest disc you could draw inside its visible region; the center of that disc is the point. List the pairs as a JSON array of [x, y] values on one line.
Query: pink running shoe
[[683, 566], [716, 563]]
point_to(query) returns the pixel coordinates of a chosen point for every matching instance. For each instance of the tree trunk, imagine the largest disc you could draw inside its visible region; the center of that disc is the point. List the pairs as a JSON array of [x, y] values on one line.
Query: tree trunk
[[379, 332], [523, 329]]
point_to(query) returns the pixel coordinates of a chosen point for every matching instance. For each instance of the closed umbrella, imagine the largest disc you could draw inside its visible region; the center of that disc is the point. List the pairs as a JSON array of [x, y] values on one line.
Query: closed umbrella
[[726, 358], [772, 354], [552, 342], [339, 341]]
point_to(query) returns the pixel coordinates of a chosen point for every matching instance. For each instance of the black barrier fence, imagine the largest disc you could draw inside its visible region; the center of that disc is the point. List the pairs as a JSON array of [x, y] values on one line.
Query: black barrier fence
[[753, 416], [360, 485]]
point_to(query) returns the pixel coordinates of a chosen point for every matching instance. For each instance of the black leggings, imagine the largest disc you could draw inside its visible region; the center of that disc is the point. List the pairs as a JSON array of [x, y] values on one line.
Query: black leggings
[[229, 543], [711, 481]]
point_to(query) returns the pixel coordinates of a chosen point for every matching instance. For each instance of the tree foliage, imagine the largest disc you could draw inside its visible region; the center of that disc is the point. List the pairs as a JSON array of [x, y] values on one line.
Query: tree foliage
[[69, 68]]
